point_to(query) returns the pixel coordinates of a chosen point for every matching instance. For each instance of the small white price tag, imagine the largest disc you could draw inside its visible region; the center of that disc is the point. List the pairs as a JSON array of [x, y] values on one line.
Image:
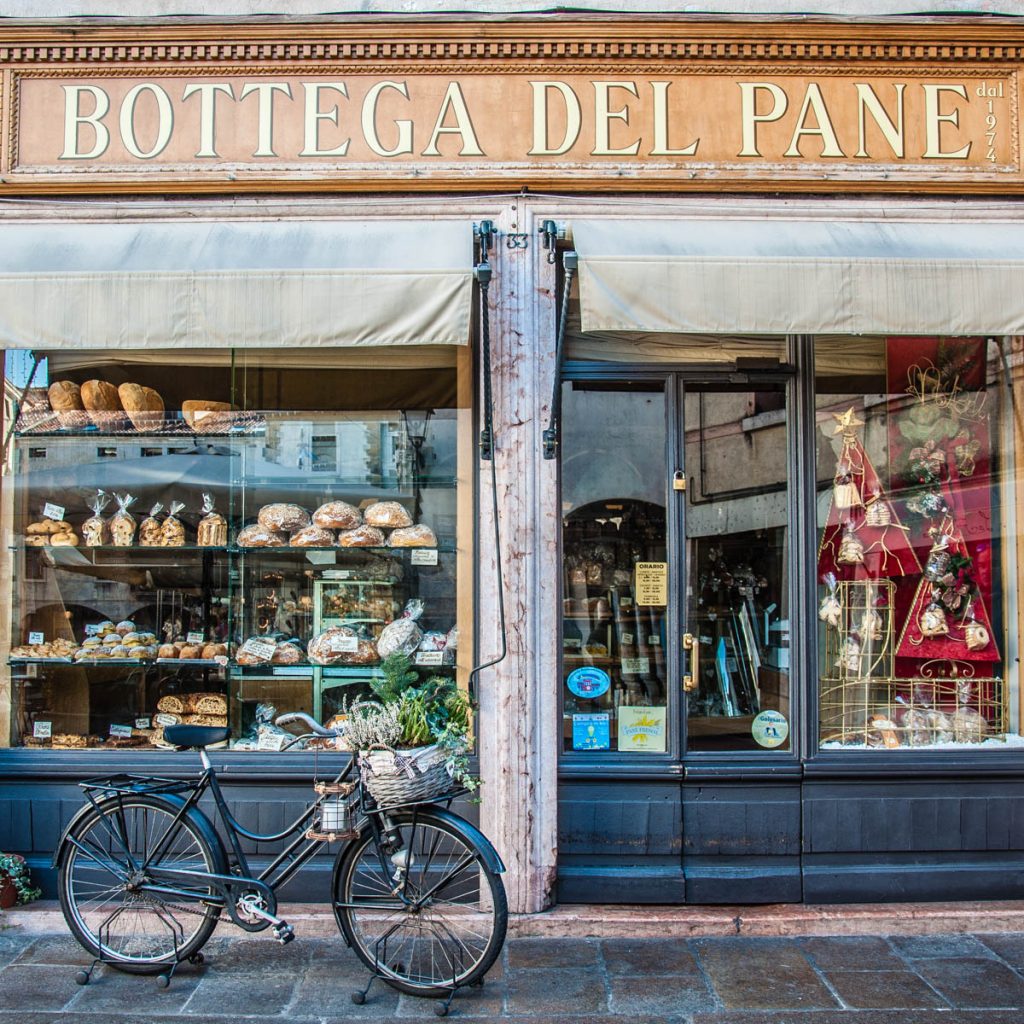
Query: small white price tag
[[42, 730], [424, 556], [627, 639], [221, 659], [142, 723], [121, 731], [259, 649], [195, 637], [37, 638], [430, 657], [164, 720], [654, 641], [271, 741], [92, 629], [55, 512], [337, 574], [346, 644]]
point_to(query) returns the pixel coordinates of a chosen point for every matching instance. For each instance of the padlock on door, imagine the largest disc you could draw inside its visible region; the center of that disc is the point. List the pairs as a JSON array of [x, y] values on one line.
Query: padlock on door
[[679, 481]]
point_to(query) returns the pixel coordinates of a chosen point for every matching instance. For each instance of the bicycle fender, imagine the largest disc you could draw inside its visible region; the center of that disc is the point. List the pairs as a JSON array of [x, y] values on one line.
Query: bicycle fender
[[472, 835], [174, 803]]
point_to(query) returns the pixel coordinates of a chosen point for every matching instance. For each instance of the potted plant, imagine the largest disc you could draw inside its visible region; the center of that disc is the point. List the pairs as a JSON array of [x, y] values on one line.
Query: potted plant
[[15, 883], [413, 741]]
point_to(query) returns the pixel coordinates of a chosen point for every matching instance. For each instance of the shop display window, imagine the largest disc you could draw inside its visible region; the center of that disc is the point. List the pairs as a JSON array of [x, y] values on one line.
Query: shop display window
[[918, 544], [217, 537]]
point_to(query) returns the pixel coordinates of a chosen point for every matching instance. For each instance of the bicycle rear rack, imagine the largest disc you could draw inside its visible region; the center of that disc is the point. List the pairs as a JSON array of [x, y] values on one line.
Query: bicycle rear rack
[[132, 784]]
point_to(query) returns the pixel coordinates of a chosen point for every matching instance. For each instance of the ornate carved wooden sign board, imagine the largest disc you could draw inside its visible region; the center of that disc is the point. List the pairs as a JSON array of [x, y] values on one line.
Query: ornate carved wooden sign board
[[680, 105]]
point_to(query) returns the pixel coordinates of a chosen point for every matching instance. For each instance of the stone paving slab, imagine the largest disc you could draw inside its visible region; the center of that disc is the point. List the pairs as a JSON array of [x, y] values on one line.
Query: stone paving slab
[[926, 979]]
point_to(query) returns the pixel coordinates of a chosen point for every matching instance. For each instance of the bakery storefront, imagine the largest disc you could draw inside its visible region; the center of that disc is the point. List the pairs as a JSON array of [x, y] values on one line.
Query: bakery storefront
[[718, 479]]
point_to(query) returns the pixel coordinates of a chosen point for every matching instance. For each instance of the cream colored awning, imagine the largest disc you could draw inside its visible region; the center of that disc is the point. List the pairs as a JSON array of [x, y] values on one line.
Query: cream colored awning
[[777, 276], [235, 284]]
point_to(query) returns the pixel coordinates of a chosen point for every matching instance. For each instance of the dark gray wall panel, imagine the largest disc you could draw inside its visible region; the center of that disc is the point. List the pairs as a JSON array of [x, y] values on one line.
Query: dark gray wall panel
[[633, 819], [740, 819]]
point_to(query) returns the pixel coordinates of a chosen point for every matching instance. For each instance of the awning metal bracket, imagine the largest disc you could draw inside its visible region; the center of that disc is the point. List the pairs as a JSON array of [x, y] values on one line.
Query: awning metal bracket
[[552, 436]]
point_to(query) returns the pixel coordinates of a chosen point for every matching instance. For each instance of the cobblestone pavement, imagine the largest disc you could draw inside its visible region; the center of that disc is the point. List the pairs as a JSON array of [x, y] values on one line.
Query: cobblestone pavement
[[931, 979]]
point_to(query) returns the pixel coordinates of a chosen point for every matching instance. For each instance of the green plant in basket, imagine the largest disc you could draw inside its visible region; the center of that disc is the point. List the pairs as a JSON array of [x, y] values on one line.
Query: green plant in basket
[[14, 876]]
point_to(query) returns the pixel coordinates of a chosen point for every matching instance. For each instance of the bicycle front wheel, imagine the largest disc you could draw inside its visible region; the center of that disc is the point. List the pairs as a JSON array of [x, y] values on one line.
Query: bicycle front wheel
[[107, 898], [426, 913]]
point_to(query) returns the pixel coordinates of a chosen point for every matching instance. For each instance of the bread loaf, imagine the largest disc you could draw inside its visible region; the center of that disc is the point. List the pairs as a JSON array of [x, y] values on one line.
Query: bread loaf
[[206, 416], [211, 651], [287, 654], [312, 537], [144, 406], [361, 537], [387, 513], [171, 705], [167, 651], [102, 403], [213, 531], [66, 400], [191, 652], [283, 517], [258, 537], [418, 536], [337, 515]]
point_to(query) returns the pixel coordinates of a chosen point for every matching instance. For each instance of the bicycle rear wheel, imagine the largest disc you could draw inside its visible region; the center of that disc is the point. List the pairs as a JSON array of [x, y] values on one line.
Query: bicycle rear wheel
[[106, 900], [449, 928]]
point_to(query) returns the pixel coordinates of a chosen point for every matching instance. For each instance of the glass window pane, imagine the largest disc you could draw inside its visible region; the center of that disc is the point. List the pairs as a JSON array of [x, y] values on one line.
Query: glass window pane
[[918, 547], [613, 519]]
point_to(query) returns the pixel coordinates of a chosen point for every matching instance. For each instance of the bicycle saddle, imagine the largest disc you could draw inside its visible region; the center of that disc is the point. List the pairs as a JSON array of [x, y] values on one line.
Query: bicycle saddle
[[195, 736]]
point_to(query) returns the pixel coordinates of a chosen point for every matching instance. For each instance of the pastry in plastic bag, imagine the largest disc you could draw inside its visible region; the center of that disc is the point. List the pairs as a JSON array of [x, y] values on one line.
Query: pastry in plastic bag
[[122, 522], [283, 518], [213, 527], [418, 536], [95, 531], [387, 513], [361, 537], [259, 537], [172, 534], [312, 537], [402, 635], [337, 515], [149, 528], [287, 654]]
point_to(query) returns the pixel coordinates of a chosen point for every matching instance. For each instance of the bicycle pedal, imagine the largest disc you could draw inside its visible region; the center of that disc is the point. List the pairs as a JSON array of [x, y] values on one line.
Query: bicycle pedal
[[284, 934]]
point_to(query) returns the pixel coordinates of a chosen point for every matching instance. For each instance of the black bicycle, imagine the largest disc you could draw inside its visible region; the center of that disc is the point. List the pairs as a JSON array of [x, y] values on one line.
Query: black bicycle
[[144, 877]]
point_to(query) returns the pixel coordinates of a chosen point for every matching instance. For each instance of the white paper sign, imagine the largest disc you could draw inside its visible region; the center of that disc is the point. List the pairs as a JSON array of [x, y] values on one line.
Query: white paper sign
[[92, 629], [337, 574], [221, 659], [42, 730], [259, 649], [430, 657], [272, 741], [37, 638], [121, 731], [141, 723], [424, 556], [346, 644], [163, 719], [627, 638], [654, 641], [195, 637], [55, 512], [636, 666]]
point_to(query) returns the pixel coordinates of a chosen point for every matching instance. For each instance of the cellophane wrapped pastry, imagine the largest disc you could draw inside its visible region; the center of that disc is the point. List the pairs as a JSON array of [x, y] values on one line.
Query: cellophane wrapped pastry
[[282, 517], [337, 515], [418, 536], [122, 522], [402, 635], [389, 514], [172, 533], [257, 536], [362, 537], [95, 532], [149, 528], [312, 537], [213, 527]]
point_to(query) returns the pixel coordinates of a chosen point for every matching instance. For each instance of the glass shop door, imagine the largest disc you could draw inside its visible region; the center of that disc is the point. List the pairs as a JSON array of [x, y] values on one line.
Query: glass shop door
[[675, 591]]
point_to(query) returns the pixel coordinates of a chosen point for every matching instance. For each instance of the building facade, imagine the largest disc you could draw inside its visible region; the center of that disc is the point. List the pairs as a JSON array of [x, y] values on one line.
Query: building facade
[[716, 479]]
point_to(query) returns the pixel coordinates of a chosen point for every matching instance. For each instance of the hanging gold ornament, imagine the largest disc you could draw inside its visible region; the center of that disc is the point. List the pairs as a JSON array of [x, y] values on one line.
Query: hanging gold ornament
[[933, 621], [851, 550], [846, 493]]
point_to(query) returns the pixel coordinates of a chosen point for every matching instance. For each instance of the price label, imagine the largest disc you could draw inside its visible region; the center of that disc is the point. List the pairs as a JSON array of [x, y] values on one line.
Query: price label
[[195, 637], [346, 644], [424, 556], [337, 574], [37, 638], [627, 638], [272, 740], [93, 629], [259, 649], [430, 657], [55, 512], [221, 659], [654, 641], [141, 723], [162, 719], [42, 730], [121, 731]]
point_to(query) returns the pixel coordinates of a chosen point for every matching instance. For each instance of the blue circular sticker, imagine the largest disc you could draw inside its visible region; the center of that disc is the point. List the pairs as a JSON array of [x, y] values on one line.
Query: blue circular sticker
[[589, 682]]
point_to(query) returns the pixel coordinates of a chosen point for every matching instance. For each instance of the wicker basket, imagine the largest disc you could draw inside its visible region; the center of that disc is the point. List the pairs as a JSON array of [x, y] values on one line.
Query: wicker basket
[[405, 776]]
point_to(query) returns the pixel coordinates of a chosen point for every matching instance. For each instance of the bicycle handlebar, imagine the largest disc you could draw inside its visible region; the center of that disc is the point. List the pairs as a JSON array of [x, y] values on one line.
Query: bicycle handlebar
[[301, 716]]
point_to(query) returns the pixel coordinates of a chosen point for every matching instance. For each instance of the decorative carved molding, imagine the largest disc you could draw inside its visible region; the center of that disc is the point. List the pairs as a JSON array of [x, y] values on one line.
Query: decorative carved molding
[[548, 41]]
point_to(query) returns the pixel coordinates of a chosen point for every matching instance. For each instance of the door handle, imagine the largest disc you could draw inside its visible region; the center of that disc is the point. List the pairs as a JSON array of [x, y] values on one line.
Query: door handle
[[692, 678]]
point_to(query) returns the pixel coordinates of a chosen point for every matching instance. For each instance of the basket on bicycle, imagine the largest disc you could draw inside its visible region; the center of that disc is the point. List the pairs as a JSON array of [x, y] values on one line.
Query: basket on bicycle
[[405, 776]]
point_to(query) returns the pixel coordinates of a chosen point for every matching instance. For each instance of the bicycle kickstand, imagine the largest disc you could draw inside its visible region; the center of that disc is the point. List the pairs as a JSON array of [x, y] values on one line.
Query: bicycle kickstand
[[359, 996]]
